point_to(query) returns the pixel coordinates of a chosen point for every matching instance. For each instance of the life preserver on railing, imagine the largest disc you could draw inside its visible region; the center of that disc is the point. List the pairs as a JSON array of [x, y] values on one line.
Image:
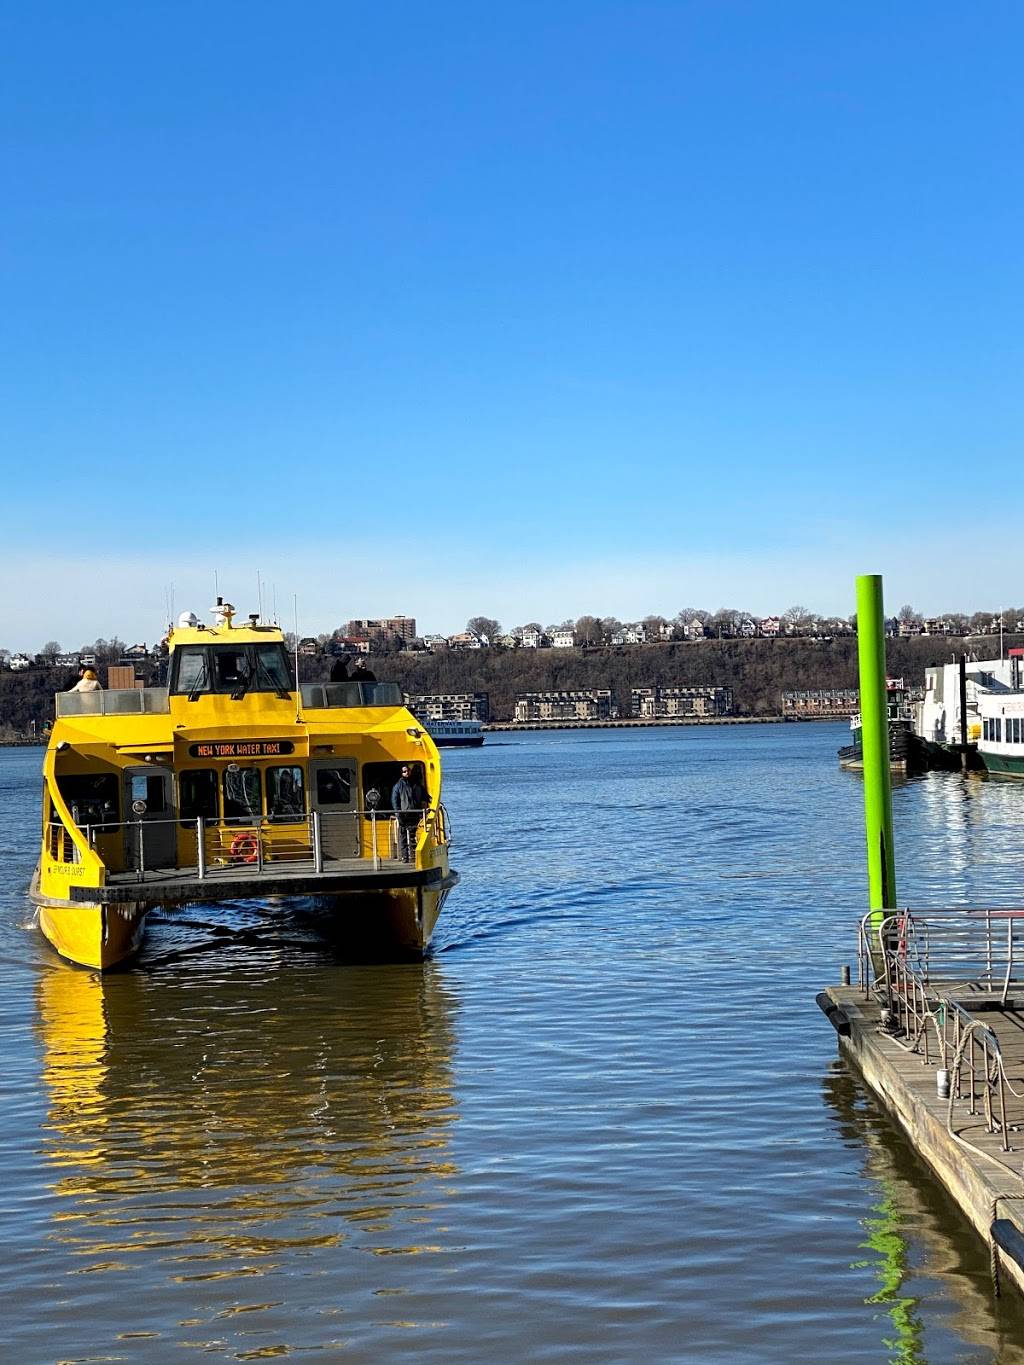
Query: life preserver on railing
[[244, 848]]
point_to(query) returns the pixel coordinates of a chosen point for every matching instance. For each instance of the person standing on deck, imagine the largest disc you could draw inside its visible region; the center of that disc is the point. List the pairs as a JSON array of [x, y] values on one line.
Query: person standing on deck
[[409, 799], [339, 669], [88, 682], [360, 673]]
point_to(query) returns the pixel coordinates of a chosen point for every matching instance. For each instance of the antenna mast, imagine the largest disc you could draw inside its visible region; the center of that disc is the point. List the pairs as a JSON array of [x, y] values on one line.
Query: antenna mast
[[298, 694]]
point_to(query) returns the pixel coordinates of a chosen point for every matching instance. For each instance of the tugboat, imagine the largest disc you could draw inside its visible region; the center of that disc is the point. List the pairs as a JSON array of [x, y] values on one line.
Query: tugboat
[[234, 782], [909, 753]]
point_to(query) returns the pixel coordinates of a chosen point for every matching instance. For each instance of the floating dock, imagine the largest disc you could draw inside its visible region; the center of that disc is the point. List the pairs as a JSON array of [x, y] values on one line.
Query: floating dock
[[935, 1026]]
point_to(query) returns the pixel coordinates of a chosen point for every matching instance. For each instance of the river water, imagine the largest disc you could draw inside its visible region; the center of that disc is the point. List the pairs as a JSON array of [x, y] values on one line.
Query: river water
[[604, 1122]]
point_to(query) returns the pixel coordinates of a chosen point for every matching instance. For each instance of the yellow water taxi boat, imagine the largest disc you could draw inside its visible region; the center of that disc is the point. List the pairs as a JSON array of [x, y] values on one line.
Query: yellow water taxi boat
[[234, 782]]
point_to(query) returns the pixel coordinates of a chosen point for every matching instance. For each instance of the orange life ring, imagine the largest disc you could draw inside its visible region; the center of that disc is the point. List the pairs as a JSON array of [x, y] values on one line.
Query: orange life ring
[[244, 849]]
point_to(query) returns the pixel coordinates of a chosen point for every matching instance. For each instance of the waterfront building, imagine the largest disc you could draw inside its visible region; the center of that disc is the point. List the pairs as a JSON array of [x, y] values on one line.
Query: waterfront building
[[594, 704], [451, 706], [563, 639], [665, 703], [836, 703]]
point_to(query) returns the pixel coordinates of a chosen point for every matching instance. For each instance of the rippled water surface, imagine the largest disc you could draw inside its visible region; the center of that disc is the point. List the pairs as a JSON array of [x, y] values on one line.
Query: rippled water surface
[[604, 1122]]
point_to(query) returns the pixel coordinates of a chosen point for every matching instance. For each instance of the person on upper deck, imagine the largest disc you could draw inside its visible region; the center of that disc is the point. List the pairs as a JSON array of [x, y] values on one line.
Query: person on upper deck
[[360, 673], [339, 669], [87, 682], [409, 799]]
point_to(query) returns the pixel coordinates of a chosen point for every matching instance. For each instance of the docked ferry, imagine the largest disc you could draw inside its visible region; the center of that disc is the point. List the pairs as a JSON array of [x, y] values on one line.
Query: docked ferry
[[234, 782]]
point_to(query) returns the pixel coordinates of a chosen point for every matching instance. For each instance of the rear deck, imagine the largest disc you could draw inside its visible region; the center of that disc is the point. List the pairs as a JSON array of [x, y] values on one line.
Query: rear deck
[[173, 886]]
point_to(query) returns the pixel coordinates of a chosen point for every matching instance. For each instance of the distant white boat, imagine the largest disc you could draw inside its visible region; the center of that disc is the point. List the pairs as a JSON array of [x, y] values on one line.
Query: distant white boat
[[455, 733]]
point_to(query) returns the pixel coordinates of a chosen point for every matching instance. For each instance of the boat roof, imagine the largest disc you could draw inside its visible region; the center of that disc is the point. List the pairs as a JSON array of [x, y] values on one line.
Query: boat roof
[[224, 634]]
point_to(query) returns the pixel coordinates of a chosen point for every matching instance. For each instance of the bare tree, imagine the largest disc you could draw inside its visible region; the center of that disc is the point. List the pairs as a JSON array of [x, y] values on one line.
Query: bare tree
[[484, 626], [588, 630], [50, 650], [798, 620], [907, 616]]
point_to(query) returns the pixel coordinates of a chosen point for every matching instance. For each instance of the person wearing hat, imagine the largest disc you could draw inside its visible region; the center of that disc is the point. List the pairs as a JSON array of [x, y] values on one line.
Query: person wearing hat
[[360, 673], [87, 682]]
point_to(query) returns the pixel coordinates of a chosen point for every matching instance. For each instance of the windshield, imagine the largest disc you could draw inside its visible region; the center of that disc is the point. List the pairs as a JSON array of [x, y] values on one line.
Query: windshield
[[231, 669]]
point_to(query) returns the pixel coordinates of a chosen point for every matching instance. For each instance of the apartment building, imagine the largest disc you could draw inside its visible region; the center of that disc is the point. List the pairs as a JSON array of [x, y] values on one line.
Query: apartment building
[[379, 631], [451, 706], [665, 703], [590, 705], [837, 703]]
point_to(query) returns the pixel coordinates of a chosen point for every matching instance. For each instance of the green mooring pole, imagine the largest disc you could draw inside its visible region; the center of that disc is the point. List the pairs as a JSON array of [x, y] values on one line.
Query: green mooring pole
[[875, 744]]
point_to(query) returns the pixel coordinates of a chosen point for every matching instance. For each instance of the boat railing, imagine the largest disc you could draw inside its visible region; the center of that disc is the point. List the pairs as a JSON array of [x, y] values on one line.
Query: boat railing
[[931, 972], [153, 848], [131, 701], [323, 696]]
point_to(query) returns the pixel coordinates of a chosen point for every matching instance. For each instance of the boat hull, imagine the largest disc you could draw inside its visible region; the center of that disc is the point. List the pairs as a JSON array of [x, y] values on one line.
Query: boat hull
[[97, 936], [1003, 765]]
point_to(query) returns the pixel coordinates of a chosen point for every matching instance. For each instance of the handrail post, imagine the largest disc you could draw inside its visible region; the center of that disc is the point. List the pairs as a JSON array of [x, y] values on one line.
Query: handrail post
[[142, 850], [259, 845], [201, 848], [373, 836], [318, 849]]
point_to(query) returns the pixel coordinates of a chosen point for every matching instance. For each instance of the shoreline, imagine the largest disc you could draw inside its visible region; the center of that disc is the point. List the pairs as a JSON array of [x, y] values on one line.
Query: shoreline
[[642, 722]]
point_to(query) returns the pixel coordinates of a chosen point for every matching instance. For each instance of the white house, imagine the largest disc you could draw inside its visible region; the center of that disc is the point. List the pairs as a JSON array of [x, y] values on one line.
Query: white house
[[563, 639], [20, 662], [746, 628], [630, 635], [535, 639], [466, 639], [770, 627]]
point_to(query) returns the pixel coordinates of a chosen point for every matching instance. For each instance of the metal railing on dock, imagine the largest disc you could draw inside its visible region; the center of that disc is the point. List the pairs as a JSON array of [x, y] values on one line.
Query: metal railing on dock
[[931, 972]]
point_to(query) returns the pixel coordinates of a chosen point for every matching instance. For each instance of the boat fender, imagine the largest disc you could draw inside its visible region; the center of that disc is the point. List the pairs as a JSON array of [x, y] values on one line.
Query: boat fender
[[243, 848], [833, 1013]]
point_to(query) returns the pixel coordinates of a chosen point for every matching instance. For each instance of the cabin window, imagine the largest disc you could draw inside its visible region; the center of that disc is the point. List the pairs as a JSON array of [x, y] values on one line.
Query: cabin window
[[286, 794], [333, 786], [197, 794], [241, 795], [191, 674], [92, 798], [998, 723], [984, 728], [230, 669], [149, 789]]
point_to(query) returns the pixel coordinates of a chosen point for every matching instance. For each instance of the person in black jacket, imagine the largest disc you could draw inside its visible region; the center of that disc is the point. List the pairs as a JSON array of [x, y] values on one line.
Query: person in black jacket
[[339, 669], [409, 800], [360, 673]]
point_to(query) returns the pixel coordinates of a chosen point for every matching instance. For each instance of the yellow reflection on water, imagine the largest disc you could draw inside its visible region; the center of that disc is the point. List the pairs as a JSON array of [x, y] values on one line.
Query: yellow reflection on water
[[223, 1127]]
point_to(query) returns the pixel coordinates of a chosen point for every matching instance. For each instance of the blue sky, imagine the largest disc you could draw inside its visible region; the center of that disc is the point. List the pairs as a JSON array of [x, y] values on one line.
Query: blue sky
[[526, 311]]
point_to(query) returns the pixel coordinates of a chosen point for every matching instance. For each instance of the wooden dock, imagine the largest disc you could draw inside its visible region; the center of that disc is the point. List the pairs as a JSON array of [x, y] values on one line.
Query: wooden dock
[[965, 1149]]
